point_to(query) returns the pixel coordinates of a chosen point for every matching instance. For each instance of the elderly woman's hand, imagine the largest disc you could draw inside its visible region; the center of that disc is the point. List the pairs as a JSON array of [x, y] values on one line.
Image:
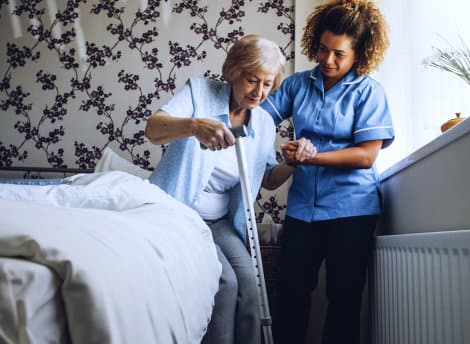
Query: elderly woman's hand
[[212, 134], [297, 151]]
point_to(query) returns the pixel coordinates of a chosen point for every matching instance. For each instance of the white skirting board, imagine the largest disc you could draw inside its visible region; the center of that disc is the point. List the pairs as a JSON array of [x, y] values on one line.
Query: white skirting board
[[420, 289]]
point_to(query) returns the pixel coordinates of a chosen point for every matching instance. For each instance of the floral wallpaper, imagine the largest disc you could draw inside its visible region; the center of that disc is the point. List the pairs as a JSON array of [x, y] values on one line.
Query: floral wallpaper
[[77, 76]]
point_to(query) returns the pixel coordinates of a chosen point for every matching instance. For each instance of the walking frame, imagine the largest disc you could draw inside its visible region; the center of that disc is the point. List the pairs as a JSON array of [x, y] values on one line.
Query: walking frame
[[252, 233]]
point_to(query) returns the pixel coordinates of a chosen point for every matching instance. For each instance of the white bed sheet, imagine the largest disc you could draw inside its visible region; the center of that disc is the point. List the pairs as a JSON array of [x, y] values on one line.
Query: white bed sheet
[[31, 309], [145, 274]]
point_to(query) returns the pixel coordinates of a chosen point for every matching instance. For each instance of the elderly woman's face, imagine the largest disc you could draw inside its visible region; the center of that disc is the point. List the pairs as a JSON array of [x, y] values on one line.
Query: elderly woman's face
[[251, 89]]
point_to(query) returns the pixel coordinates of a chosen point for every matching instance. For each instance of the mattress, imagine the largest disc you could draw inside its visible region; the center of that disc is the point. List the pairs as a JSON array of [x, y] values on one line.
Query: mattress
[[107, 258]]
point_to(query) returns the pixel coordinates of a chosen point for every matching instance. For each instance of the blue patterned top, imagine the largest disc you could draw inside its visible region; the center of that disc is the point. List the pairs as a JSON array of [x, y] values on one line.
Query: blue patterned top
[[185, 168]]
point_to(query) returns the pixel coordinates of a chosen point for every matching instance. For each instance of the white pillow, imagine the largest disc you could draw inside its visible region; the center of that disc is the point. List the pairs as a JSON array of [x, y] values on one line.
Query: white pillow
[[113, 190], [110, 161]]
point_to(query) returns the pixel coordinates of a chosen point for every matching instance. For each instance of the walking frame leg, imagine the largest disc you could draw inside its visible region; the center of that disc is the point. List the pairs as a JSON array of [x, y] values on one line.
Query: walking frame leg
[[252, 233]]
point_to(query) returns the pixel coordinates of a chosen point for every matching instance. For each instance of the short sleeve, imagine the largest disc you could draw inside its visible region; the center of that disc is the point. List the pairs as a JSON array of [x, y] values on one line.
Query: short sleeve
[[373, 120], [279, 102], [181, 104]]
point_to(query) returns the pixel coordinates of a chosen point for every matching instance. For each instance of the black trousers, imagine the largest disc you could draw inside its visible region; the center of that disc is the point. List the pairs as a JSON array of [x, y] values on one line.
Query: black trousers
[[345, 244]]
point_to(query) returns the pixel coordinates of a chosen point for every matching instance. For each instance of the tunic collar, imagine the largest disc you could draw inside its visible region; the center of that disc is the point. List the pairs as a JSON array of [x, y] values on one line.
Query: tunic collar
[[349, 79], [220, 108]]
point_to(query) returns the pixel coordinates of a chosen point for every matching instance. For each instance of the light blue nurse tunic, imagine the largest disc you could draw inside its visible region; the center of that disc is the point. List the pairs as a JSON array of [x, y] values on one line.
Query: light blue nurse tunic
[[352, 111]]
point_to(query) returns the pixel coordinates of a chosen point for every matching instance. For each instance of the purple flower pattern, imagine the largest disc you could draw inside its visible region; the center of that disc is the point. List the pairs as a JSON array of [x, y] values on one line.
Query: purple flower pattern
[[75, 87]]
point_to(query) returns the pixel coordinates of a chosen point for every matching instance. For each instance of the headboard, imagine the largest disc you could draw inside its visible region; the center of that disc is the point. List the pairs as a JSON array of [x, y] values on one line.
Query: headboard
[[38, 172]]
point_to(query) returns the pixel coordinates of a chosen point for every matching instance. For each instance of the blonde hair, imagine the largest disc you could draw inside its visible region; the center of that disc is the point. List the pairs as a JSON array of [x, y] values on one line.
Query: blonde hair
[[361, 20], [253, 53]]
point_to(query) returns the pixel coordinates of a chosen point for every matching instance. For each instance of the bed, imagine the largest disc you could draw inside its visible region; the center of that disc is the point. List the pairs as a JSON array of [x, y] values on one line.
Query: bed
[[103, 257]]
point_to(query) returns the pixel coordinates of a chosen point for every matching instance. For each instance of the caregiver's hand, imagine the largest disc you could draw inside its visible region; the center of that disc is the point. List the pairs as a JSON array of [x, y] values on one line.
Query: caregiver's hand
[[297, 151]]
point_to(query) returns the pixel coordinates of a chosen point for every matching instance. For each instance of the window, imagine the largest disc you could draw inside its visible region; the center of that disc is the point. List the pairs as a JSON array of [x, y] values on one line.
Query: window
[[421, 98]]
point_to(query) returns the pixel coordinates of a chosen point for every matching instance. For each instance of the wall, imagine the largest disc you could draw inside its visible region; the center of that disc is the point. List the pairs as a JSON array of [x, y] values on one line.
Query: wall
[[78, 76]]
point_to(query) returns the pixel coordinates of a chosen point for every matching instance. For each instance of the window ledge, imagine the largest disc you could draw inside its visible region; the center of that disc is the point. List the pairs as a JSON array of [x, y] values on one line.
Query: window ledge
[[451, 135]]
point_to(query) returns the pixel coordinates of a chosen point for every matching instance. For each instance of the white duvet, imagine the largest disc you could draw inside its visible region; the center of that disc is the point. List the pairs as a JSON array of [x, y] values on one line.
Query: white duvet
[[136, 266]]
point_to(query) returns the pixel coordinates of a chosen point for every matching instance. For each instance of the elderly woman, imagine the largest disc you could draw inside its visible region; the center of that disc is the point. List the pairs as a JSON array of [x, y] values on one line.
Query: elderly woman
[[200, 114]]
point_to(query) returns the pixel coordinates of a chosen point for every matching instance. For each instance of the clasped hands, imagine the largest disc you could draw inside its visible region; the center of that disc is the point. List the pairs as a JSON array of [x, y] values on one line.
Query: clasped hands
[[297, 151]]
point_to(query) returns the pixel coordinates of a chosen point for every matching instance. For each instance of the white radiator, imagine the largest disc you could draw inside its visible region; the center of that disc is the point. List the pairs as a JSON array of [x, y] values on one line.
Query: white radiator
[[420, 289]]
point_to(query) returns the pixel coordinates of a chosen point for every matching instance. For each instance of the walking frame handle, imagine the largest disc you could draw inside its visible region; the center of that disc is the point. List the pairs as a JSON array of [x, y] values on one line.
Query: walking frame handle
[[252, 232], [240, 131]]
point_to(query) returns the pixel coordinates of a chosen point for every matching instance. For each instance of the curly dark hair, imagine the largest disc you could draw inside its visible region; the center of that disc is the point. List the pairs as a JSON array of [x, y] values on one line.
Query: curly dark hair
[[359, 19]]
